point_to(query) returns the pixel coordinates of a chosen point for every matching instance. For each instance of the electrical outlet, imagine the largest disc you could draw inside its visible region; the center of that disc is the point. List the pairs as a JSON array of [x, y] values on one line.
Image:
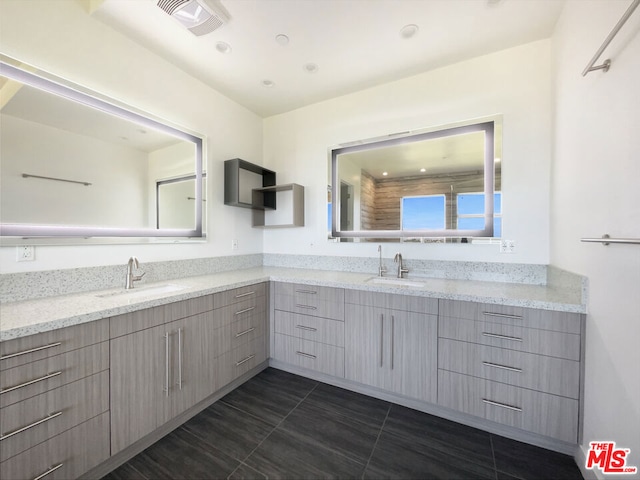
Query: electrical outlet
[[234, 244], [507, 246], [25, 253]]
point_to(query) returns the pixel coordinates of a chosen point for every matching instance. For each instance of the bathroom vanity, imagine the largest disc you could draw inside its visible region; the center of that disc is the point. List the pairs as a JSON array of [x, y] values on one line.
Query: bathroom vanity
[[89, 380]]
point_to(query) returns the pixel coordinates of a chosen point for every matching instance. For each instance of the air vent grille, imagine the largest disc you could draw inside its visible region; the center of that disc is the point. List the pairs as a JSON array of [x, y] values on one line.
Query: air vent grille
[[171, 6], [214, 22]]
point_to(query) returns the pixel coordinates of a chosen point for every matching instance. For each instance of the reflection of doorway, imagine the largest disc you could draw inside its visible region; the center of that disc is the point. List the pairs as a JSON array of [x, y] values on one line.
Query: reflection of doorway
[[346, 206]]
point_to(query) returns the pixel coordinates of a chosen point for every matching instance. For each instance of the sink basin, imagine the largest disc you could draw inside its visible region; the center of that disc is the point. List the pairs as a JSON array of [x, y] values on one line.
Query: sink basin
[[144, 291], [391, 281]]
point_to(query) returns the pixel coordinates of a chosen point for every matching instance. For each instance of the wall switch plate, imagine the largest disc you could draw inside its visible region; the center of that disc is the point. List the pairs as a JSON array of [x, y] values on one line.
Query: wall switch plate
[[234, 244], [507, 246], [25, 253]]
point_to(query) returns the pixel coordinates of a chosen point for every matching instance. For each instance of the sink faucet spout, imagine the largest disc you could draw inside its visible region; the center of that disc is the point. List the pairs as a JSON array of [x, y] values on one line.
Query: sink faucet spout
[[401, 268], [133, 262]]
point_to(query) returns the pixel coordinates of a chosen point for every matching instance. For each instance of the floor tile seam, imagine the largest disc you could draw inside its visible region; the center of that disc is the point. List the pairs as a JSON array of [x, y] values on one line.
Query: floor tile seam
[[248, 413], [274, 429], [376, 442], [493, 454], [206, 442], [345, 415], [132, 466], [248, 466]]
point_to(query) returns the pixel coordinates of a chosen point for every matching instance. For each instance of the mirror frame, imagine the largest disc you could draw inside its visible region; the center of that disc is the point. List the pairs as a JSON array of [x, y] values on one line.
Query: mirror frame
[[15, 233], [487, 127]]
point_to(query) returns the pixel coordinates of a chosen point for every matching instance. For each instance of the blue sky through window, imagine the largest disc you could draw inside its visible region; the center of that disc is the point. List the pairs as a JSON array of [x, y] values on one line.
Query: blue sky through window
[[426, 212]]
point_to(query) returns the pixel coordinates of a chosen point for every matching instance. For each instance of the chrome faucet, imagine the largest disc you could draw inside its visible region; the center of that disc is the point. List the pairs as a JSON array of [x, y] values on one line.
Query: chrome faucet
[[381, 268], [130, 276], [401, 269]]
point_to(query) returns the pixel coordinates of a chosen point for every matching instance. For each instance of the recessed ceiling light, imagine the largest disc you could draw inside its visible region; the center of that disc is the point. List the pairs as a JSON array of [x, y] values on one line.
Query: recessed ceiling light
[[268, 83], [423, 170], [385, 173], [310, 67], [282, 39], [409, 31], [498, 159], [223, 47]]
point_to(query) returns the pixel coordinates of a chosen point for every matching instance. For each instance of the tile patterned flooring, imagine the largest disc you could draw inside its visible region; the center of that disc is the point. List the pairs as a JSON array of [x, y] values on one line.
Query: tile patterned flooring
[[279, 425]]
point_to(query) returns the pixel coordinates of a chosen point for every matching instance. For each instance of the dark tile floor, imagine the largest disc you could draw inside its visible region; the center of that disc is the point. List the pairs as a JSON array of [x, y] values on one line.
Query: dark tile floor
[[279, 425]]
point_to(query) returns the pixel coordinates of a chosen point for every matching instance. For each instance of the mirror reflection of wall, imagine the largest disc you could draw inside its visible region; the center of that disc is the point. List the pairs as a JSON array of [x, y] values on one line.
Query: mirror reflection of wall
[[175, 202]]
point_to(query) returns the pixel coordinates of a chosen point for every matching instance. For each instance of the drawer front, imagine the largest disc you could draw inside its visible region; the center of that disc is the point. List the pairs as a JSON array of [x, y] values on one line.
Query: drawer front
[[542, 413], [65, 456], [25, 381], [241, 331], [316, 329], [513, 337], [537, 372], [310, 300], [248, 308], [152, 317], [236, 295], [518, 316], [392, 301], [39, 418], [308, 354], [239, 361], [47, 344]]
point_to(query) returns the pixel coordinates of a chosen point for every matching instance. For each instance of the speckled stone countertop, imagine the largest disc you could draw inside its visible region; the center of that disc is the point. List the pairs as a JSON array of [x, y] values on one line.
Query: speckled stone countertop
[[18, 319]]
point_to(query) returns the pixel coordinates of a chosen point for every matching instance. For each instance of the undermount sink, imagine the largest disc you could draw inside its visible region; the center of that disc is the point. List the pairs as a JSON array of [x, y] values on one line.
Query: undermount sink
[[403, 282], [144, 291]]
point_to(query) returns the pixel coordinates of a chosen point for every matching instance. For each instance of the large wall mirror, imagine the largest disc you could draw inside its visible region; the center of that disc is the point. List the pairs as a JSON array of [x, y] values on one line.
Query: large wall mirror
[[428, 186], [77, 167]]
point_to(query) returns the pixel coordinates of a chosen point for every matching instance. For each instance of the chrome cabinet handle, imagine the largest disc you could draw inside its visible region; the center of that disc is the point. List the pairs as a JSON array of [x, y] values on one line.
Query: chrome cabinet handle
[[502, 315], [240, 295], [30, 382], [166, 363], [244, 360], [501, 337], [310, 329], [502, 405], [393, 321], [503, 367], [310, 292], [245, 310], [34, 424], [180, 352], [248, 330], [51, 470], [37, 349], [308, 355], [381, 339], [308, 307]]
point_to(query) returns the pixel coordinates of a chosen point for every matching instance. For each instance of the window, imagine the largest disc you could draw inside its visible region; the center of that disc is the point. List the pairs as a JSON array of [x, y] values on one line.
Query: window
[[471, 211], [424, 212]]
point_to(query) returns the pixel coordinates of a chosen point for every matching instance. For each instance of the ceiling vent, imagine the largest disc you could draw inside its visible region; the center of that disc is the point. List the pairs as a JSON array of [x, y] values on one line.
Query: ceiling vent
[[198, 16]]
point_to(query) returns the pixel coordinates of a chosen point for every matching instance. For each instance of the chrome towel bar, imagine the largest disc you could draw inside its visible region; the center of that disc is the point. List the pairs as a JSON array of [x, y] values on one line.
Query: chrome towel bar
[[606, 239]]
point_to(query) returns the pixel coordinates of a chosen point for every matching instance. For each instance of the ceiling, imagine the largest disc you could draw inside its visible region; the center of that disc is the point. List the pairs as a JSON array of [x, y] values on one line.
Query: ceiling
[[355, 44]]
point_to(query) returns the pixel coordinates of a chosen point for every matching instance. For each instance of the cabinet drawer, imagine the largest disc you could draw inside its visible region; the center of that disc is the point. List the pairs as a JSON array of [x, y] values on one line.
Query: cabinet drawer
[[393, 301], [254, 307], [542, 413], [19, 383], [537, 372], [310, 300], [308, 354], [513, 337], [518, 316], [47, 344], [236, 295], [316, 329], [239, 361], [39, 418], [241, 331], [77, 451]]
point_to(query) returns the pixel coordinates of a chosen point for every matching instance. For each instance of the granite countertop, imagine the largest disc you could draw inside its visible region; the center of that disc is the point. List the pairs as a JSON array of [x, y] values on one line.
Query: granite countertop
[[18, 319]]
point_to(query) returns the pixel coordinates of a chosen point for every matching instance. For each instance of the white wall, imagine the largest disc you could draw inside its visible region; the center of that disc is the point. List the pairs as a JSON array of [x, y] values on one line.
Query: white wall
[[62, 38], [596, 190], [514, 82]]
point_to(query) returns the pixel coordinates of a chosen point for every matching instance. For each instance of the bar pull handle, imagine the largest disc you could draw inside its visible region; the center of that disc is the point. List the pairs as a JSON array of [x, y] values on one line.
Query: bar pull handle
[[34, 424], [310, 329], [240, 295], [245, 310], [180, 352], [502, 315], [309, 292], [51, 470], [37, 349], [381, 339], [501, 337], [244, 360], [308, 355], [393, 328], [503, 367], [308, 307], [166, 363], [248, 330], [30, 382], [502, 405]]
